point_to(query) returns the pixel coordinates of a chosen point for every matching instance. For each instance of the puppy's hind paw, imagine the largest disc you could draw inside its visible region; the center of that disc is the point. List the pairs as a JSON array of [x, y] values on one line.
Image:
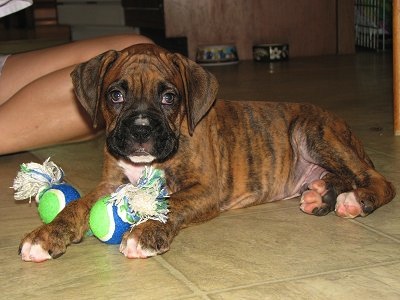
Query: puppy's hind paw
[[318, 200], [310, 202], [347, 206]]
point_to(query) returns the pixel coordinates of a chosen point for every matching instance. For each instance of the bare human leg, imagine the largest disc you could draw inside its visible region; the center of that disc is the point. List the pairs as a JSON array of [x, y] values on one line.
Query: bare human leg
[[37, 104]]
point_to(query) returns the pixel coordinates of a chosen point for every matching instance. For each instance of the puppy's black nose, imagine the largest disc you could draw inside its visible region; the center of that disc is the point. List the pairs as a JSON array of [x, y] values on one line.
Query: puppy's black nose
[[141, 129], [141, 133]]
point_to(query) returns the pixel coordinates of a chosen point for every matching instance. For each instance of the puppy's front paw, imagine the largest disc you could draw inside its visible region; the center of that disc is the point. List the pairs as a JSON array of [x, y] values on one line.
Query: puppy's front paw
[[146, 240], [44, 243], [33, 252]]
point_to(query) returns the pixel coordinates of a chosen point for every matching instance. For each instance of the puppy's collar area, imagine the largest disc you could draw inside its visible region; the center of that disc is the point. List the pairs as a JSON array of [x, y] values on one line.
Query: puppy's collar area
[[132, 170]]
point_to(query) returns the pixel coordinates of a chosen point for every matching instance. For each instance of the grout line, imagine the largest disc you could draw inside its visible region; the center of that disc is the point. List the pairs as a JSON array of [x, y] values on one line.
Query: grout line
[[273, 281], [375, 230], [181, 277]]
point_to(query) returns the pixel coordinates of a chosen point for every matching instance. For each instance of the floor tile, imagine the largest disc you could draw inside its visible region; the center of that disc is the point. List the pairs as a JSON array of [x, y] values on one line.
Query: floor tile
[[105, 274], [246, 249], [369, 283]]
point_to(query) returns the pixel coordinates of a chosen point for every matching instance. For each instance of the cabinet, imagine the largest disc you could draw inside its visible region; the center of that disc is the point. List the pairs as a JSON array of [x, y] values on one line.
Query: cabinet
[[93, 18], [310, 27], [149, 17]]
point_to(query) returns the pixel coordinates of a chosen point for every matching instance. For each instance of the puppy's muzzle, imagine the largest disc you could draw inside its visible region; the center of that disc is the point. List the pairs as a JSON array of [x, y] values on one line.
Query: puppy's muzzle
[[141, 135], [134, 134]]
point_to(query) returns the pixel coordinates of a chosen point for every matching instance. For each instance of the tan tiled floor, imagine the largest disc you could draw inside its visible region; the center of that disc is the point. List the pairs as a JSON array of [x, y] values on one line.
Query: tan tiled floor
[[271, 251]]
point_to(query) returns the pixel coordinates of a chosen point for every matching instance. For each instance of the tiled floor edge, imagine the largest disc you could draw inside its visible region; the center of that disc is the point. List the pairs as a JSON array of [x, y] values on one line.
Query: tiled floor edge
[[354, 221]]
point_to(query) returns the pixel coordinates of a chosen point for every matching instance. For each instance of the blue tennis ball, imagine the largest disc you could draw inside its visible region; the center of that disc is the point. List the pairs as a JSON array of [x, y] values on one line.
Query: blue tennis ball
[[105, 222], [54, 199]]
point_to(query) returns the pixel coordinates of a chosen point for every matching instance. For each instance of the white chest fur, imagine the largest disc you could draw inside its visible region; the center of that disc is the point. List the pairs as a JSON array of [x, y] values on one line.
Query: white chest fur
[[132, 171]]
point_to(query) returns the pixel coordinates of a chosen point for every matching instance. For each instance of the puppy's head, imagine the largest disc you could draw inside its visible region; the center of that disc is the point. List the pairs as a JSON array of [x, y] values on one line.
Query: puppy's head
[[145, 95]]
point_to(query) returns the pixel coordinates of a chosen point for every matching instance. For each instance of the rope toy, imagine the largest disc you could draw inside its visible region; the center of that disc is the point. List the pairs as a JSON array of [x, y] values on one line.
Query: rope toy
[[112, 215], [129, 206], [46, 183]]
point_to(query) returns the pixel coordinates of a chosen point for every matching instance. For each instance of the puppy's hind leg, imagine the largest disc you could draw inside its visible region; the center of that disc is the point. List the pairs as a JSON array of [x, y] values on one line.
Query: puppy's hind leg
[[360, 188]]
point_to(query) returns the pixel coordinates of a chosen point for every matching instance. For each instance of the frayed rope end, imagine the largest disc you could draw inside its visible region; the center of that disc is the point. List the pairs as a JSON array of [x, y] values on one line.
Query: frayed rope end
[[33, 178]]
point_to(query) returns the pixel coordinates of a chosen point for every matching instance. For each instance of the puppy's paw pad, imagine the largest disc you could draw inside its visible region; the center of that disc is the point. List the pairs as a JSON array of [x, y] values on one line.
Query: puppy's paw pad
[[347, 206], [34, 253], [318, 186], [132, 249], [310, 201]]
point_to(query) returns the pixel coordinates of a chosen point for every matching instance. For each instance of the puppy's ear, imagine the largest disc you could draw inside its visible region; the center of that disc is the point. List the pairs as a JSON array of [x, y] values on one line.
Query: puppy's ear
[[87, 79], [200, 88]]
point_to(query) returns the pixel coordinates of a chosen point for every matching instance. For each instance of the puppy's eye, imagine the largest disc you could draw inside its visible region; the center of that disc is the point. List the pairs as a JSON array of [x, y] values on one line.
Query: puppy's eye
[[168, 99], [116, 96]]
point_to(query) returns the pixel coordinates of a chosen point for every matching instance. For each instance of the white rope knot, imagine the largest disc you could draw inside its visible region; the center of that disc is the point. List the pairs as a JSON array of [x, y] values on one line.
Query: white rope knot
[[144, 201], [33, 178]]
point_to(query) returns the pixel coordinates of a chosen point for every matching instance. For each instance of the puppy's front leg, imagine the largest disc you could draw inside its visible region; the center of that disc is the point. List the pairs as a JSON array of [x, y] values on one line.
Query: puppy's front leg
[[150, 238], [51, 240]]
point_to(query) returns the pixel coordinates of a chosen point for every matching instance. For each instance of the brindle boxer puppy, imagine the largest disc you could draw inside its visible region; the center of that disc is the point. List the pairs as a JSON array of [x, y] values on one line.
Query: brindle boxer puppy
[[159, 108]]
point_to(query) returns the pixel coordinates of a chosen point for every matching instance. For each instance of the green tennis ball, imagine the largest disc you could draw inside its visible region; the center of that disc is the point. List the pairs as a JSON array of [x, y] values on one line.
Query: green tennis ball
[[105, 222], [53, 200]]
